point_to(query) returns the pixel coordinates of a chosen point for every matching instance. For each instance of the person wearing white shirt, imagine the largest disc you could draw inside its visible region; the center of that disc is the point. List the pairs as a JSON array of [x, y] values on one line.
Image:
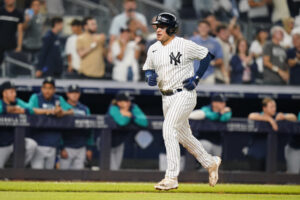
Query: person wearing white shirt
[[71, 49], [256, 49], [120, 21], [125, 53]]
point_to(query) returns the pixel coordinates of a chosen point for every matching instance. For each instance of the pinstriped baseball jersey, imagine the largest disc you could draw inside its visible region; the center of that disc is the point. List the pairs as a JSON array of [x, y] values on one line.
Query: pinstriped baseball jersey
[[173, 62]]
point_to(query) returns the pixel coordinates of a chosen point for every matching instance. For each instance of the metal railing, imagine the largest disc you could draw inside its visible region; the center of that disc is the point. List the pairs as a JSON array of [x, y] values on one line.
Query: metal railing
[[9, 60]]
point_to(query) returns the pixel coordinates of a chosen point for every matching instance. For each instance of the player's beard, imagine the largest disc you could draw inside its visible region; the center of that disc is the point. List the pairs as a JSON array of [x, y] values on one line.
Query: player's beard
[[91, 31]]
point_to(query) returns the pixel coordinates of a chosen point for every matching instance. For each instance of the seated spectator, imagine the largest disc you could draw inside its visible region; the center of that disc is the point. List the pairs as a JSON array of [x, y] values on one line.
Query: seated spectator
[[123, 112], [90, 47], [71, 49], [259, 11], [11, 104], [292, 153], [50, 59], [256, 50], [216, 111], [76, 142], [227, 49], [294, 58], [47, 103], [125, 56], [214, 47], [274, 59], [33, 30], [120, 21], [257, 148], [10, 28], [240, 64]]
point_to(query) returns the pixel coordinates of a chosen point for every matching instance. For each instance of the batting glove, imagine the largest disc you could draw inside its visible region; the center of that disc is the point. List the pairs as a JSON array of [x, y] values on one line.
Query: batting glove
[[191, 83], [151, 77]]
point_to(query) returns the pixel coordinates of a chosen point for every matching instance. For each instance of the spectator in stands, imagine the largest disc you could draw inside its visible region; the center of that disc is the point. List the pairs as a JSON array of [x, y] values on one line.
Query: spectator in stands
[[11, 23], [256, 50], [124, 113], [125, 57], [120, 21], [288, 26], [216, 111], [227, 49], [214, 47], [33, 30], [292, 153], [90, 47], [236, 33], [50, 59], [280, 11], [240, 64], [11, 104], [76, 142], [50, 104], [259, 11], [71, 49], [213, 24], [293, 56], [274, 59], [257, 148]]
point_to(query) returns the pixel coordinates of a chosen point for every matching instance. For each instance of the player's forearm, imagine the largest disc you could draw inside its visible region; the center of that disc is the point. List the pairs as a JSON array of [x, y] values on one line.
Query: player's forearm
[[290, 117], [259, 117], [204, 63], [20, 36]]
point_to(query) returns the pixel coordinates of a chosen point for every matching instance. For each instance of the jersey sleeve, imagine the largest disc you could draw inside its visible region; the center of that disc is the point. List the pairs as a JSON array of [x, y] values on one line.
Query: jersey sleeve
[[25, 106], [68, 46], [139, 116], [195, 51], [33, 101], [149, 62], [64, 105]]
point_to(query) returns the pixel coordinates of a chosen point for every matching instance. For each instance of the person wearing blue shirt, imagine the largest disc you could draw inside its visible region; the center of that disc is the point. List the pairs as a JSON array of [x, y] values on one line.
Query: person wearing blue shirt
[[216, 111], [124, 113], [10, 104], [50, 59], [214, 47], [76, 142], [47, 103]]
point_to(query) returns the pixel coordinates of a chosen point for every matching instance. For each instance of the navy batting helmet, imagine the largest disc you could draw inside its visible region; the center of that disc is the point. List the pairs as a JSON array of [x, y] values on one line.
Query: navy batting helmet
[[169, 20]]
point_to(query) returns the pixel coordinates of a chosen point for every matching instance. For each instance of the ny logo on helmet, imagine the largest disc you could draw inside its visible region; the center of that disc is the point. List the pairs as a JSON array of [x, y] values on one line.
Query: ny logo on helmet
[[175, 59]]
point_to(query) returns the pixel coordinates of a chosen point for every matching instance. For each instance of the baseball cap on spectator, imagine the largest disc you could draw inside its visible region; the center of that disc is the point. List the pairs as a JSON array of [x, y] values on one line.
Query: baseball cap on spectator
[[49, 80], [123, 96], [218, 98], [74, 88], [277, 28]]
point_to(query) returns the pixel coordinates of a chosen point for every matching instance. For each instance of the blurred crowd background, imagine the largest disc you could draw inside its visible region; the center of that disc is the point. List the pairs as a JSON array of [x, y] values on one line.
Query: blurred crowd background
[[254, 41]]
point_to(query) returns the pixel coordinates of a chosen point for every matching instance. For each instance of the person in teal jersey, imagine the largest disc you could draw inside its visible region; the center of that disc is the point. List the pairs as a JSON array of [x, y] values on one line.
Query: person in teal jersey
[[47, 103], [216, 111], [123, 112], [76, 145], [10, 104]]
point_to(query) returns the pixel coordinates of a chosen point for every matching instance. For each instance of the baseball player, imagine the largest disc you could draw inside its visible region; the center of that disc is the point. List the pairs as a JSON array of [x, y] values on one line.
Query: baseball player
[[169, 65]]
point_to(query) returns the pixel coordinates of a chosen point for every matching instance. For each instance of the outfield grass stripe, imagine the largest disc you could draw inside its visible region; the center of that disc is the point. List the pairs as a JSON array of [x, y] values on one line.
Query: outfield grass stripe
[[144, 187], [138, 196]]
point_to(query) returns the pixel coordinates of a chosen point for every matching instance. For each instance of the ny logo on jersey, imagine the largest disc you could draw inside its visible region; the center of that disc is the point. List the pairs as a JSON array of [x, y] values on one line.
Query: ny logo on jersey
[[175, 59]]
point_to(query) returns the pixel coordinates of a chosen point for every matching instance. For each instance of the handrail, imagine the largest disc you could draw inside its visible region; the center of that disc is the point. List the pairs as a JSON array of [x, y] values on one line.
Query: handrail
[[14, 61], [90, 5]]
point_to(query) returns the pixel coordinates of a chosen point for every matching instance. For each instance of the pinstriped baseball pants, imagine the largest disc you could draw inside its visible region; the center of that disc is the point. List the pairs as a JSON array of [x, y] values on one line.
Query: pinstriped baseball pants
[[176, 129]]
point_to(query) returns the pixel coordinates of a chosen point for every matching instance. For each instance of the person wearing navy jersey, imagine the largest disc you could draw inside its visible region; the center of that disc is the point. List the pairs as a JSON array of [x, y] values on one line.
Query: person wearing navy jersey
[[76, 142], [47, 103], [10, 104]]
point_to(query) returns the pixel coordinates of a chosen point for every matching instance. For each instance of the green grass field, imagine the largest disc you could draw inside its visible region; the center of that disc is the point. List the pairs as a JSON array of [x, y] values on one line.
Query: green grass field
[[19, 190]]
